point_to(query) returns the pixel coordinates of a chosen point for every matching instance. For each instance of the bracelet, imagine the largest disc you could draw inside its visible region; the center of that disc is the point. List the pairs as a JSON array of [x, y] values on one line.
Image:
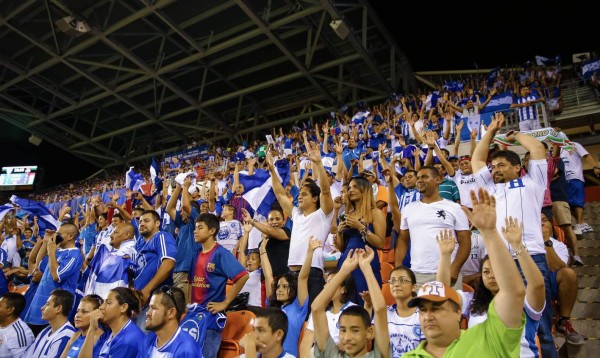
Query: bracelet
[[253, 222], [519, 251], [263, 253], [364, 233]]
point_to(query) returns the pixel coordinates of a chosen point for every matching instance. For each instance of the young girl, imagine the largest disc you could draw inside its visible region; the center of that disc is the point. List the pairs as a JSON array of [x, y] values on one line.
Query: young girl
[[87, 305], [123, 339], [254, 285], [290, 293]]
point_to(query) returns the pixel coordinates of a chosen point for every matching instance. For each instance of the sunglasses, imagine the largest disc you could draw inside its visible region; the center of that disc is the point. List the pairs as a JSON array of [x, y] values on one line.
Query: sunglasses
[[167, 291]]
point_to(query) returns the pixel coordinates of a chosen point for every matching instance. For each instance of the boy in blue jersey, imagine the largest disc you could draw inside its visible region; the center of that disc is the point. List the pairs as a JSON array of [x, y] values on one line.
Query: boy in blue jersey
[[266, 340], [209, 274], [166, 338], [64, 264]]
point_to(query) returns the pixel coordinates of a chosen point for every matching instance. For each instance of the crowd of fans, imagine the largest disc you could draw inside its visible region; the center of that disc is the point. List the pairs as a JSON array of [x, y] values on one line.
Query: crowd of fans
[[294, 229]]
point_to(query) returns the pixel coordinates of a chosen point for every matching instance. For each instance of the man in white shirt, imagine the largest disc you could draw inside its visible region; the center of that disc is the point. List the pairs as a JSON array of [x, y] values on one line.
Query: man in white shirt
[[423, 220], [312, 217], [520, 197], [51, 342], [15, 335], [574, 174]]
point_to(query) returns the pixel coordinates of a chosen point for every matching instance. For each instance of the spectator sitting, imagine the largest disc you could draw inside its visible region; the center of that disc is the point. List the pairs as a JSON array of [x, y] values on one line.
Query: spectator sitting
[[15, 335], [51, 341], [87, 305], [166, 338], [270, 329]]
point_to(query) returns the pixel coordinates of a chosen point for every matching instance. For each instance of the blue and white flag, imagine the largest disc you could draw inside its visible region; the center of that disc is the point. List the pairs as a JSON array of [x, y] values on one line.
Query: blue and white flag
[[491, 77], [45, 218], [474, 122], [431, 100], [500, 102], [590, 67], [453, 86], [259, 187], [107, 271], [4, 209], [154, 169], [545, 61], [133, 180]]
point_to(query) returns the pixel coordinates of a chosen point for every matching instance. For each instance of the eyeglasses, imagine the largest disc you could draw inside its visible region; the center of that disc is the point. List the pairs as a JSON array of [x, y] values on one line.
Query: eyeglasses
[[401, 280], [167, 291]]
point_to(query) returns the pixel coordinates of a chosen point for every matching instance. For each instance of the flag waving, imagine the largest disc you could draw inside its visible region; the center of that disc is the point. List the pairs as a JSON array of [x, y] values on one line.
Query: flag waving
[[107, 271], [45, 218], [154, 169], [4, 209], [259, 187], [133, 180]]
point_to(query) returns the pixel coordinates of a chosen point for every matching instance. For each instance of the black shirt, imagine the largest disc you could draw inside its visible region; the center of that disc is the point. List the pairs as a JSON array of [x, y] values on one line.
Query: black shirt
[[278, 252]]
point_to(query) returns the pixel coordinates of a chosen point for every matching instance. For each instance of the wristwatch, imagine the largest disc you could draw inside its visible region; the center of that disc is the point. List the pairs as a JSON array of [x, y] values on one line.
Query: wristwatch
[[548, 243]]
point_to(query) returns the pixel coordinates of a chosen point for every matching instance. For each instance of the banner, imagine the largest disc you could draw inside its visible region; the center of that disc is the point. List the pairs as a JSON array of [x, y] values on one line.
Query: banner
[[543, 134]]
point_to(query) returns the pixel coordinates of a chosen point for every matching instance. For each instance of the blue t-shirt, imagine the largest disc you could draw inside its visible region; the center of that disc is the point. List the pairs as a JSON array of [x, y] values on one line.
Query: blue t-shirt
[[88, 234], [69, 265], [3, 282], [187, 248], [76, 347], [288, 142], [180, 345], [128, 343], [150, 256], [296, 315], [167, 224], [198, 320]]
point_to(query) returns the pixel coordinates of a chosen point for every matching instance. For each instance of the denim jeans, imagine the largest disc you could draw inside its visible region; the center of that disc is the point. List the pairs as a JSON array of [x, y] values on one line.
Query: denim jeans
[[545, 328], [212, 342]]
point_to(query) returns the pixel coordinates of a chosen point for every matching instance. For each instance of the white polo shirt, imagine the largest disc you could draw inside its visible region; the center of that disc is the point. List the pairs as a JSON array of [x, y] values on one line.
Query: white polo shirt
[[522, 199], [424, 222]]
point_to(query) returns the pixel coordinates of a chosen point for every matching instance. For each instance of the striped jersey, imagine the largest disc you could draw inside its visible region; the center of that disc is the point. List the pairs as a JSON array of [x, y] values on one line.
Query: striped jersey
[[529, 112], [50, 344], [15, 339]]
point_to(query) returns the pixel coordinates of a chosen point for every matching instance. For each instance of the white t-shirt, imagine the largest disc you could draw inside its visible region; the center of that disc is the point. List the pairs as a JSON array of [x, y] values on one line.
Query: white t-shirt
[[12, 255], [336, 189], [127, 248], [424, 222], [255, 236], [229, 234], [103, 237], [332, 322], [561, 250], [572, 161], [15, 339], [315, 224], [522, 199], [465, 183], [405, 332], [253, 286], [478, 252]]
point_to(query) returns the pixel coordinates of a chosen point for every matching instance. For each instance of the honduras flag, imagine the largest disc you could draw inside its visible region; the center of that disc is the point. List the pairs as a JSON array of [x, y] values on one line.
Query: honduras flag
[[500, 102], [590, 67], [431, 100], [133, 180], [259, 187], [4, 209], [107, 271], [45, 218]]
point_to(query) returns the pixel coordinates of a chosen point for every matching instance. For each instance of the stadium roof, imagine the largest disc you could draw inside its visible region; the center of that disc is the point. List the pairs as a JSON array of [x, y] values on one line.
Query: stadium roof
[[119, 81]]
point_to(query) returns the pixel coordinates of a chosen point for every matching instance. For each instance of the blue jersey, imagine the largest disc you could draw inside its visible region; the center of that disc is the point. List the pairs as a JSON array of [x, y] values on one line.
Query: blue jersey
[[150, 256], [187, 248], [128, 343], [296, 314], [50, 344], [180, 345], [87, 235], [198, 320], [69, 265], [3, 282], [76, 347]]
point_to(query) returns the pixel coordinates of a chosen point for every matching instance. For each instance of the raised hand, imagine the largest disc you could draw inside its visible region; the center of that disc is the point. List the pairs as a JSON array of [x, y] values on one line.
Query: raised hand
[[351, 262], [483, 216], [474, 133], [446, 242], [365, 257], [512, 231], [314, 244], [246, 215], [315, 153], [247, 226]]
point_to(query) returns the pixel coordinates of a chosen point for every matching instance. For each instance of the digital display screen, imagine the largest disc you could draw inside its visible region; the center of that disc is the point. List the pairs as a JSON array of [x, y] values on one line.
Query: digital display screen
[[18, 176]]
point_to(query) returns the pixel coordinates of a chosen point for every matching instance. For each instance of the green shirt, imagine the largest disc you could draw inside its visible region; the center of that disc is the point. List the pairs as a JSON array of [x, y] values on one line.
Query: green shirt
[[449, 190], [488, 339]]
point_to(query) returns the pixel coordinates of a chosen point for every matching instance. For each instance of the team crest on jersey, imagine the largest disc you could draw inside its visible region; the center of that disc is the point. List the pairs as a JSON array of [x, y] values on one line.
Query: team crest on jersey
[[210, 267], [192, 328]]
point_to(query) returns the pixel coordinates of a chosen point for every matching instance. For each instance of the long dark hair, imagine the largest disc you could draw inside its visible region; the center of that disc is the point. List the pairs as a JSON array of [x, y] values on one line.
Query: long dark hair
[[482, 296], [348, 284], [292, 280]]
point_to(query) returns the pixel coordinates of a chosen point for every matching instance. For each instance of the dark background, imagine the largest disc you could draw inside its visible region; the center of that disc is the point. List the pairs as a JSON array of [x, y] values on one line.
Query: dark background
[[434, 35]]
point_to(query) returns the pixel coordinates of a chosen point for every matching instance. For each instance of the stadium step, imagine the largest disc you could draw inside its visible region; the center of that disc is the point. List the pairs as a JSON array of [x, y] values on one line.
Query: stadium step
[[586, 313]]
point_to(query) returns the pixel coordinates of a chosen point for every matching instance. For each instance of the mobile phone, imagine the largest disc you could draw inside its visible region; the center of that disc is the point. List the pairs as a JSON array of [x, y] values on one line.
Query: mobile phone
[[58, 238], [343, 217]]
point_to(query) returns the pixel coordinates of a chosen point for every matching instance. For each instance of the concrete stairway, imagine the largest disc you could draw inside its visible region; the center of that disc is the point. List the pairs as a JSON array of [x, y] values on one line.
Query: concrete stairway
[[586, 313]]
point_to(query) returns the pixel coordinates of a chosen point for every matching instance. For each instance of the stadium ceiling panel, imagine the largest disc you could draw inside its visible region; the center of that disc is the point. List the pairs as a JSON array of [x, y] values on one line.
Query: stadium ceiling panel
[[120, 81]]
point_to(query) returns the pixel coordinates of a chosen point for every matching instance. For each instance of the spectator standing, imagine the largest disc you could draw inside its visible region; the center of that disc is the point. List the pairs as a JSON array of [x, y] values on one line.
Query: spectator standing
[[527, 109]]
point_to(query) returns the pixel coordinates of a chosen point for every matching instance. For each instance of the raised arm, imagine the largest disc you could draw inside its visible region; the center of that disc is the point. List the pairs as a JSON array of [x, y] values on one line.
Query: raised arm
[[481, 151], [172, 203], [509, 300], [382, 337], [313, 244], [325, 198], [186, 205], [535, 291], [266, 267], [533, 146], [272, 232], [278, 189], [446, 245]]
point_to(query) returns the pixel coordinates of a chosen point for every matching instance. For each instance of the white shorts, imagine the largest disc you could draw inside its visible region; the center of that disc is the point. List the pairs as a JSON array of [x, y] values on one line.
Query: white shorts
[[529, 125], [287, 151]]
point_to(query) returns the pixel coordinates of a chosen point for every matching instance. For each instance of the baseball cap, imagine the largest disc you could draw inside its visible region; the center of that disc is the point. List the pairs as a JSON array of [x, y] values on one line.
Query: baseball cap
[[452, 157], [435, 291]]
